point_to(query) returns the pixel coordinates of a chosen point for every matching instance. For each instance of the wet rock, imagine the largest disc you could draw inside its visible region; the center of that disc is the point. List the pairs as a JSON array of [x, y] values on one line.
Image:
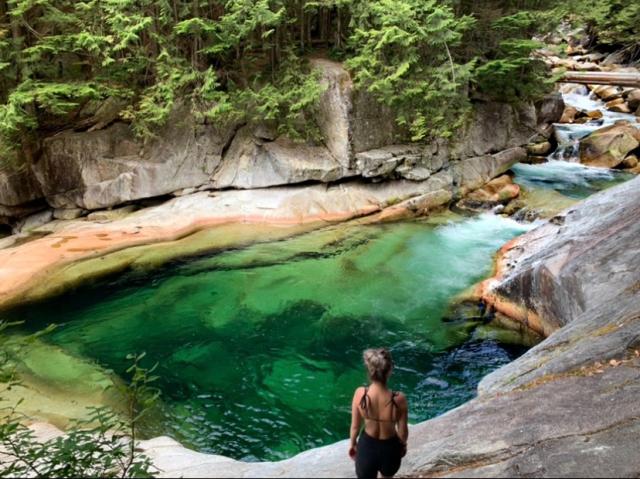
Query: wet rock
[[633, 98], [568, 115], [473, 173], [607, 92], [582, 120], [616, 101], [620, 108], [608, 146], [575, 88], [595, 114], [513, 207], [569, 266], [539, 149], [534, 160]]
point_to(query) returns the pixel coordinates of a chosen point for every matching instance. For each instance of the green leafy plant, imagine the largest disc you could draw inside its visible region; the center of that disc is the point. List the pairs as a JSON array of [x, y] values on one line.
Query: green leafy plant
[[102, 445]]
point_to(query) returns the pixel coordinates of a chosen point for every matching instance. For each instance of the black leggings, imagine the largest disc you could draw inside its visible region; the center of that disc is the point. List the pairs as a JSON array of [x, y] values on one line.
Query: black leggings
[[377, 455]]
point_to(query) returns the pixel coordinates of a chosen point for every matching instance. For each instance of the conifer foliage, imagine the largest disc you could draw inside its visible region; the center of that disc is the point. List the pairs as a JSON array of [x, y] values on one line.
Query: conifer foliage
[[247, 60]]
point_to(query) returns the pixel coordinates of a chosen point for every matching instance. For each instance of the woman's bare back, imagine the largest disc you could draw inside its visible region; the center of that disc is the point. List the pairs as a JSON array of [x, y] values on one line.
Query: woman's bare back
[[381, 410]]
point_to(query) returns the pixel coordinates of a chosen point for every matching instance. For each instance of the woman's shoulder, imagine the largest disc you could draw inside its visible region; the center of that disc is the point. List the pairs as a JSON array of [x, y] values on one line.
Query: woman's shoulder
[[359, 392], [400, 398]]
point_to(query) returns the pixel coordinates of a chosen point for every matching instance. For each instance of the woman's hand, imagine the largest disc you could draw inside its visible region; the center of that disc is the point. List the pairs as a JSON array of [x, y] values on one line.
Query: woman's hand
[[353, 450], [403, 449]]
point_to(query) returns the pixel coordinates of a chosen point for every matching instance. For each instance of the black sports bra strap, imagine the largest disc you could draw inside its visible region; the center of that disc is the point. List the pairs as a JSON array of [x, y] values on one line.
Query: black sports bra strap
[[363, 400]]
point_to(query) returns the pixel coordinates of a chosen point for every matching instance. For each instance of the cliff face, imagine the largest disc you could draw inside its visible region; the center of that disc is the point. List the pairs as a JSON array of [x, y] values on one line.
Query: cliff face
[[105, 165]]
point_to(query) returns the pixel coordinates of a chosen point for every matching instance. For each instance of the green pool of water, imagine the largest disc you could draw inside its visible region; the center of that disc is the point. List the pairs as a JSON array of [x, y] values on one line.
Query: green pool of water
[[260, 348]]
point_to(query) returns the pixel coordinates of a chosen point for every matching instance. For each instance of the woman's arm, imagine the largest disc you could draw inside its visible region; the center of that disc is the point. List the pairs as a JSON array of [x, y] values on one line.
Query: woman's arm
[[356, 421], [403, 418]]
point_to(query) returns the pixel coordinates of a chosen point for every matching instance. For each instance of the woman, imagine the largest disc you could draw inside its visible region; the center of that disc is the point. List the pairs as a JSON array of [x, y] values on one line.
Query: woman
[[383, 442]]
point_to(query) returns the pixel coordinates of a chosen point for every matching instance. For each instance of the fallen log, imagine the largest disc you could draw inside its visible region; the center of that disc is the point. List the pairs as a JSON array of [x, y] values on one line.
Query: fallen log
[[602, 78]]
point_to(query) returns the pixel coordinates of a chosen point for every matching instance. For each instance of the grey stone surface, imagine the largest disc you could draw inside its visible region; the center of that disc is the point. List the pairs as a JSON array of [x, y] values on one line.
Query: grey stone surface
[[373, 125], [494, 127], [472, 173], [334, 112], [249, 163], [551, 108], [33, 221], [564, 268], [68, 213], [103, 168]]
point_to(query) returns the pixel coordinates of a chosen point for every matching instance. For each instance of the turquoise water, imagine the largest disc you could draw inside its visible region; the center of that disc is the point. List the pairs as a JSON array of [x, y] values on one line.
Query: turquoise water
[[570, 179], [260, 348]]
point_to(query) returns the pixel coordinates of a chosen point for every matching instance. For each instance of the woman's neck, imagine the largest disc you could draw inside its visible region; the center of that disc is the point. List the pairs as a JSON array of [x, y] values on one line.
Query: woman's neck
[[379, 384]]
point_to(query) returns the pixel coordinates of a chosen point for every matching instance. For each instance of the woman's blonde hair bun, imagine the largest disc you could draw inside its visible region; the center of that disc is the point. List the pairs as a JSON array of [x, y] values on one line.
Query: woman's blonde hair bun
[[379, 364]]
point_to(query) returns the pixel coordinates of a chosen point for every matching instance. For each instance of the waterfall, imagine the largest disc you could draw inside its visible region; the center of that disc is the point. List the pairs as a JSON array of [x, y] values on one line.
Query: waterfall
[[568, 135]]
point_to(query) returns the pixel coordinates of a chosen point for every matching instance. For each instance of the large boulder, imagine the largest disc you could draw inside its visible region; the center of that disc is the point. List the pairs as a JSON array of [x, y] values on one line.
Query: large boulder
[[499, 190], [252, 162], [550, 108], [553, 274], [103, 168], [608, 146], [19, 192], [472, 173], [633, 98]]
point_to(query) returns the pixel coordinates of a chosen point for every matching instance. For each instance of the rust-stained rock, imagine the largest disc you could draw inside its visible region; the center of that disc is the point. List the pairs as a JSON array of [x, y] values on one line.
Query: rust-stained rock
[[630, 161], [620, 108], [499, 190], [569, 115], [539, 149], [595, 114]]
